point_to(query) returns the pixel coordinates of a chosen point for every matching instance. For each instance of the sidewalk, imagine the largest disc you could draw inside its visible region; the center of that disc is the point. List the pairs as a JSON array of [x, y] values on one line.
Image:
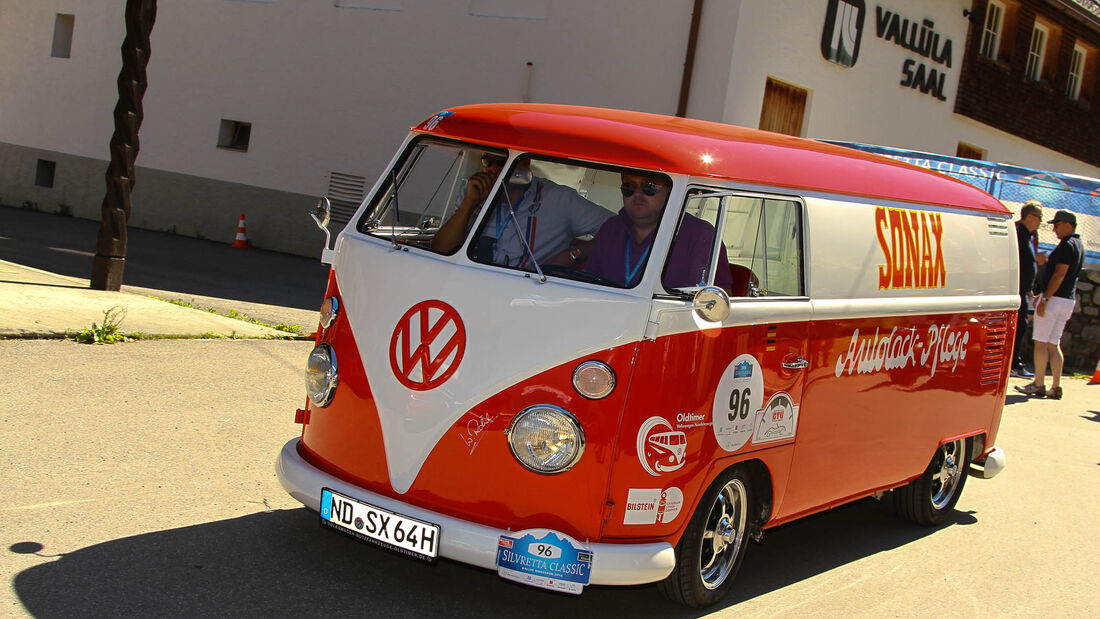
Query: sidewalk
[[40, 304]]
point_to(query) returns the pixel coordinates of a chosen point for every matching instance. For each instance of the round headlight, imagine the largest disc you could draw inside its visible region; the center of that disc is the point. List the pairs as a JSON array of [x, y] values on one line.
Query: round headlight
[[594, 380], [546, 439], [321, 375], [330, 309]]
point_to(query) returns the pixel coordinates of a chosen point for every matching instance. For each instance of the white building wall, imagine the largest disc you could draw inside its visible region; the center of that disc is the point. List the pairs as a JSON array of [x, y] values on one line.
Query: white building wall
[[328, 88]]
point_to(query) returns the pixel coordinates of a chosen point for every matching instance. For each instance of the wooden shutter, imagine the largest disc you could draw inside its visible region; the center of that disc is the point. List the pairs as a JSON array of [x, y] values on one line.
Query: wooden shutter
[[783, 109]]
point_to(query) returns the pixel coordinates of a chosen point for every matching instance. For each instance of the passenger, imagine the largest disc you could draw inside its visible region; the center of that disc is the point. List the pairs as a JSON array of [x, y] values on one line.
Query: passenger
[[622, 245], [1055, 304], [549, 215]]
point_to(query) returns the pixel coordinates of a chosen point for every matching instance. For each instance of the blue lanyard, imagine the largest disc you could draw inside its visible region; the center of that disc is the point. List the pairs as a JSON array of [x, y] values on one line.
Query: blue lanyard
[[631, 272]]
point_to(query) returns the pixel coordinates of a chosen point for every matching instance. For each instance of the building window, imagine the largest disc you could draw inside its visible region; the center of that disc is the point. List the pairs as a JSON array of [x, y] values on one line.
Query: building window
[[234, 135], [1036, 52], [1082, 72], [43, 173], [991, 33], [63, 35], [784, 108], [969, 151], [1076, 67]]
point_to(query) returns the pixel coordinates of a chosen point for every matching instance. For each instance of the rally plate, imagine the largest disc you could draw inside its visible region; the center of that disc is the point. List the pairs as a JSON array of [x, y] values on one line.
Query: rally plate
[[372, 524]]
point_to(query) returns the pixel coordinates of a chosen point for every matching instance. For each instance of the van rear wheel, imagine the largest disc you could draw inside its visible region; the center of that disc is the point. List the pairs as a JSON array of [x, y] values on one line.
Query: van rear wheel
[[713, 546], [930, 498]]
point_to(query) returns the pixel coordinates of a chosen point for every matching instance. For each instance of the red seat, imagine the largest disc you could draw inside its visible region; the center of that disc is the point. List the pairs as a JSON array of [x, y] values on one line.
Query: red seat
[[742, 277]]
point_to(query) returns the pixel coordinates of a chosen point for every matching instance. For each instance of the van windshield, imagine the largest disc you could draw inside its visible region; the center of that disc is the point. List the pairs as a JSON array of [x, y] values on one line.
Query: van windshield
[[580, 221]]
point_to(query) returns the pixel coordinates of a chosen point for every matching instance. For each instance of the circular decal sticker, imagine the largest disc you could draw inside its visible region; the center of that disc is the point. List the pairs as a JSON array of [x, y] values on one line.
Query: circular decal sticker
[[739, 395], [427, 345], [660, 448]]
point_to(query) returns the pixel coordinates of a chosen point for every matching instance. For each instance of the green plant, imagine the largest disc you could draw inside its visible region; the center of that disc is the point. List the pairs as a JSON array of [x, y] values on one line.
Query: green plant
[[295, 329], [108, 332]]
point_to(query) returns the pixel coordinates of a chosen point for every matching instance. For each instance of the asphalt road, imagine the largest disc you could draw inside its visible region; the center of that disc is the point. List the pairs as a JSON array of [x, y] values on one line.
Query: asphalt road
[[137, 480]]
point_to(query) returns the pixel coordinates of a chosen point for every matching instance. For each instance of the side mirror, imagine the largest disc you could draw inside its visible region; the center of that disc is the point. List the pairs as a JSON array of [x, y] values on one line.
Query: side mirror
[[320, 215], [712, 304]]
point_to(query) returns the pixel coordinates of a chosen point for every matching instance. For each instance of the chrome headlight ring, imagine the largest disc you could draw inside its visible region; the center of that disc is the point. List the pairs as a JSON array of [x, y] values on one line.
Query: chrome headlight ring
[[546, 439]]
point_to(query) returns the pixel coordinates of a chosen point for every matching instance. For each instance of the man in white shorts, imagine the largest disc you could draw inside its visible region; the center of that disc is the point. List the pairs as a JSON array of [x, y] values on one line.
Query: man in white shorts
[[1054, 307]]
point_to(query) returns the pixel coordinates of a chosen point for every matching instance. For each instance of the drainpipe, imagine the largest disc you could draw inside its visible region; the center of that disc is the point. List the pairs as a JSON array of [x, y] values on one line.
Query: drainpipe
[[689, 58]]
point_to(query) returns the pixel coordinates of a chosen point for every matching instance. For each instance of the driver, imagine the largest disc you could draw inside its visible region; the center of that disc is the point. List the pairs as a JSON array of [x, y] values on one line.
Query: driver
[[622, 245], [549, 216]]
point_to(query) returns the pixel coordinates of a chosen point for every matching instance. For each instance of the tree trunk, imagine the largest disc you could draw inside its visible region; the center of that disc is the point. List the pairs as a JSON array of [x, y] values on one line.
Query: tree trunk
[[110, 248]]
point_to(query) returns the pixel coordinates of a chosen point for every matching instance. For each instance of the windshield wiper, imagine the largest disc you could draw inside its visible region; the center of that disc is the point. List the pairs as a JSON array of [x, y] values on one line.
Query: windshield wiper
[[519, 233]]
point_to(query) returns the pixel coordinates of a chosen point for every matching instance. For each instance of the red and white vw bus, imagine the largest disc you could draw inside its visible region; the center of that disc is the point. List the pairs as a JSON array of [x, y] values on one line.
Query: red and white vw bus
[[843, 330]]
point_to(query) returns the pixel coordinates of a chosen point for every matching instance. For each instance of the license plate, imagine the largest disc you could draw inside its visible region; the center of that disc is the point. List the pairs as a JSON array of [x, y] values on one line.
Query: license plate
[[379, 526]]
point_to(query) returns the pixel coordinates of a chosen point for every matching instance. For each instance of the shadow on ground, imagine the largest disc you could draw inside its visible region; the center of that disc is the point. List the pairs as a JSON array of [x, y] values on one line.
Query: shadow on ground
[[163, 261], [281, 563]]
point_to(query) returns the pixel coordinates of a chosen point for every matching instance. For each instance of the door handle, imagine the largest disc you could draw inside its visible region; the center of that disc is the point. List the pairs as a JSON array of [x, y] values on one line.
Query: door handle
[[800, 364]]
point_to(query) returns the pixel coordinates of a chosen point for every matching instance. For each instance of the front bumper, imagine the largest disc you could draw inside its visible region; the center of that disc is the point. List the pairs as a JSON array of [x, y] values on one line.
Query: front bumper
[[468, 542], [989, 466]]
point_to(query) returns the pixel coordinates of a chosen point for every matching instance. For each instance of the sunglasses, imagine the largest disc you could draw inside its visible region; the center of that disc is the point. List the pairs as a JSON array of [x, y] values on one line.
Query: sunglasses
[[491, 161], [649, 188]]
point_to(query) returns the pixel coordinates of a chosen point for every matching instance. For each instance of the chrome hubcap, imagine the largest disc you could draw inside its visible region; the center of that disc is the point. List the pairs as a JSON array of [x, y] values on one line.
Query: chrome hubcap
[[946, 477], [723, 535]]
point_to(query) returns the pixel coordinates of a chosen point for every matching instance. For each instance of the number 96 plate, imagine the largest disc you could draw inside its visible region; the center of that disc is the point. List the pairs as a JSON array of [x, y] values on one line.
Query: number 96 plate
[[379, 526]]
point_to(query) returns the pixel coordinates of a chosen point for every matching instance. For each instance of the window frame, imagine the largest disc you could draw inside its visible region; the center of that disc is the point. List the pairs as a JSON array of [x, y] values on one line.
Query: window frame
[[720, 226], [1076, 71], [1033, 68], [991, 36]]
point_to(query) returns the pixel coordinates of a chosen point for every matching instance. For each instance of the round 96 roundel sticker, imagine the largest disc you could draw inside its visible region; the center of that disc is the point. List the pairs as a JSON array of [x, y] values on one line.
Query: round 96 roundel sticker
[[739, 395]]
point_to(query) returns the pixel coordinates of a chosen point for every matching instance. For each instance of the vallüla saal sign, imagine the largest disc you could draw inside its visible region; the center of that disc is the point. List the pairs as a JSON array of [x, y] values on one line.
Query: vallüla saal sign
[[926, 71]]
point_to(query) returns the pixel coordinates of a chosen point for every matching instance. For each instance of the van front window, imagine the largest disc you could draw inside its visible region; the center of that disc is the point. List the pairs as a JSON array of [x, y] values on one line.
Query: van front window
[[538, 215]]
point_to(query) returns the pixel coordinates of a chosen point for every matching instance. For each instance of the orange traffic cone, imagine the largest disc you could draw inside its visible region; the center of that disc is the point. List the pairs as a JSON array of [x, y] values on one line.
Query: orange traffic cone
[[241, 242], [1096, 374]]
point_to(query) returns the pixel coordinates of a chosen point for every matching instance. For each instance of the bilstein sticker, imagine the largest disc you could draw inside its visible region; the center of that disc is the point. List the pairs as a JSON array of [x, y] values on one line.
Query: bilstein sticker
[[739, 396], [652, 505]]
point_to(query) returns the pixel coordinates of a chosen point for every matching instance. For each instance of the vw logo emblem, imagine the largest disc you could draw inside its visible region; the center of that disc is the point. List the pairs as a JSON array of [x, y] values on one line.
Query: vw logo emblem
[[427, 345]]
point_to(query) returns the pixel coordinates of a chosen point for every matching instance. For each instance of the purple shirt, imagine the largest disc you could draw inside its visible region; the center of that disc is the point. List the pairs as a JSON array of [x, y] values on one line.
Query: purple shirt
[[618, 258]]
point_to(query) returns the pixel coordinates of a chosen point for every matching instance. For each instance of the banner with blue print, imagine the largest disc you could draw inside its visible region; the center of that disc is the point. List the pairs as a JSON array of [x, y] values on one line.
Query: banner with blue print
[[1014, 185]]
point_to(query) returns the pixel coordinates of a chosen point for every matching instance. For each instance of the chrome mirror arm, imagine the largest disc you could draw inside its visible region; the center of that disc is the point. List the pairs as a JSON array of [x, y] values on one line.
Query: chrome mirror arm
[[320, 215]]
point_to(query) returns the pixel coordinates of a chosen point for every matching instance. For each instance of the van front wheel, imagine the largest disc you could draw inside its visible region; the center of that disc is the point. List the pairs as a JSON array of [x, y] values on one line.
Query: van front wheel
[[930, 498], [713, 546]]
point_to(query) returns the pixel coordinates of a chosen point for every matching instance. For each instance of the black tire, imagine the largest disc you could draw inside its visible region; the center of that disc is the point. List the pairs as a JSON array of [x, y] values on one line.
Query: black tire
[[929, 499], [712, 548]]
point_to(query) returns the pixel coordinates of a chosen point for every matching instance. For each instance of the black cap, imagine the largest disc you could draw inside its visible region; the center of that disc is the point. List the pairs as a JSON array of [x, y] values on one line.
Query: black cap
[[1064, 216]]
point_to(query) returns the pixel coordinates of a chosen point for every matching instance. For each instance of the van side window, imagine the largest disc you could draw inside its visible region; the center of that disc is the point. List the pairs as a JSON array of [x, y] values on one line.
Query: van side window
[[761, 242], [764, 237]]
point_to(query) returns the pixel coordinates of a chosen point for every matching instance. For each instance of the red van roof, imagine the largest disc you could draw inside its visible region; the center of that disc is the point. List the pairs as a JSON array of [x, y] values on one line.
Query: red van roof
[[702, 148]]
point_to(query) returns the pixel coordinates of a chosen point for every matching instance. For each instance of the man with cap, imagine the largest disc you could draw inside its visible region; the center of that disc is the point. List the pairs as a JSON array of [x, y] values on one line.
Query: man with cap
[[1031, 216], [1053, 307]]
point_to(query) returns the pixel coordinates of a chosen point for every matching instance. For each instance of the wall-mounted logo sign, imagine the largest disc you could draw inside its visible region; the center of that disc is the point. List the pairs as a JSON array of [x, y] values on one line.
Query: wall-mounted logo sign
[[920, 39], [427, 345], [843, 31]]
